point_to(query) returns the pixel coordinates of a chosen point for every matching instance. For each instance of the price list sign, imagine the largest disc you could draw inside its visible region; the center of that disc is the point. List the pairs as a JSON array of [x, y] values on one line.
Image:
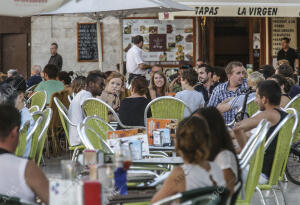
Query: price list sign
[[281, 28]]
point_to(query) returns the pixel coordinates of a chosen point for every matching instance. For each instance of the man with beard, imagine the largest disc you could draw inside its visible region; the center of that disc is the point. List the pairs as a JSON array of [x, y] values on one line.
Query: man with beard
[[95, 86], [268, 95], [235, 86], [205, 77]]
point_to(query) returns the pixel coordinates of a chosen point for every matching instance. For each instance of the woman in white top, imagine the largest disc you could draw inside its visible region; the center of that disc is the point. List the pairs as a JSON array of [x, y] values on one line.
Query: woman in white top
[[189, 95], [222, 151], [193, 144]]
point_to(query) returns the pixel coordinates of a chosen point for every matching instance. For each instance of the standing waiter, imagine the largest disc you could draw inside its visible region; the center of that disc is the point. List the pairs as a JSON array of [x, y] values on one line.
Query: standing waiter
[[288, 53], [134, 60]]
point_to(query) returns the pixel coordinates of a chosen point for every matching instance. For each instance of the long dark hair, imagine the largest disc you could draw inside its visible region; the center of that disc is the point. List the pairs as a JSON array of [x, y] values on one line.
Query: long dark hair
[[221, 139]]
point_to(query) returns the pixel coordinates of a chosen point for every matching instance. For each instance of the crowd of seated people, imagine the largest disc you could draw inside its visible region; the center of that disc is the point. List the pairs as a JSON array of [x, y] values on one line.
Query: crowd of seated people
[[208, 147]]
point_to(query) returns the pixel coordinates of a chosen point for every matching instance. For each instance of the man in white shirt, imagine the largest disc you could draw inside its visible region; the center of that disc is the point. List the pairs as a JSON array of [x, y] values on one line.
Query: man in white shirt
[[95, 86], [134, 59]]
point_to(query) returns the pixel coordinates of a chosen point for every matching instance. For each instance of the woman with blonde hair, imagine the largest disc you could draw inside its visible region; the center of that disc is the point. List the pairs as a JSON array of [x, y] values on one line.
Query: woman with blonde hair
[[158, 85], [193, 143]]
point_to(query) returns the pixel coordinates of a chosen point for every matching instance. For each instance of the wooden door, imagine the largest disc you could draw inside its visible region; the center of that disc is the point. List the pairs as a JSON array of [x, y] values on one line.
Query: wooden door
[[14, 53]]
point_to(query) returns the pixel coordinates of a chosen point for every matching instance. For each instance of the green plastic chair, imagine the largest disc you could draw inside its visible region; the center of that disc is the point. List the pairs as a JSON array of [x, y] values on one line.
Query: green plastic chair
[[22, 140], [65, 121], [252, 107], [166, 108], [284, 140], [36, 116], [39, 146], [295, 103], [34, 108], [93, 131], [202, 196], [254, 156], [39, 98], [11, 200], [95, 106]]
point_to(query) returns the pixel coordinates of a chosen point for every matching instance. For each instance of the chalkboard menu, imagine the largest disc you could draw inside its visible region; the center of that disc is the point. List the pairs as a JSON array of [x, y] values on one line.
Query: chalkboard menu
[[87, 49]]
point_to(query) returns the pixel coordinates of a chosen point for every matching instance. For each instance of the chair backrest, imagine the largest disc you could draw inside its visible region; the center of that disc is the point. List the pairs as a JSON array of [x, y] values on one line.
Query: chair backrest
[[55, 123], [63, 115], [40, 120], [95, 106], [252, 141], [283, 145], [252, 107], [166, 107], [205, 195], [295, 103], [39, 98], [22, 140], [93, 131], [34, 108], [43, 136], [255, 158]]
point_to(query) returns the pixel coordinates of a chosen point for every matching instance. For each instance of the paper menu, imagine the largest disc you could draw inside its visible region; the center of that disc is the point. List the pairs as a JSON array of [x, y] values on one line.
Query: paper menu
[[154, 124], [115, 143], [64, 192]]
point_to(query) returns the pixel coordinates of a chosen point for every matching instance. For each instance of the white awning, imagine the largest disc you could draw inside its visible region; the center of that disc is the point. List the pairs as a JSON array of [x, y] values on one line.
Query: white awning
[[28, 7], [242, 8]]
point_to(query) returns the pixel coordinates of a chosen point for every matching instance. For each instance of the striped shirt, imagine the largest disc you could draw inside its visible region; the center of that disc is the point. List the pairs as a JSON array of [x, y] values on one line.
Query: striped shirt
[[221, 93]]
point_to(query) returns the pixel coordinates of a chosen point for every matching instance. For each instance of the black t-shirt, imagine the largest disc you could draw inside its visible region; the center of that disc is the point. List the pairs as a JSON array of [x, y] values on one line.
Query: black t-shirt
[[290, 55], [270, 152], [131, 111]]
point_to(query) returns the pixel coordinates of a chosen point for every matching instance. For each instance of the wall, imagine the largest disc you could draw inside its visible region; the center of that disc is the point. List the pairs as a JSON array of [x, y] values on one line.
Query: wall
[[63, 30]]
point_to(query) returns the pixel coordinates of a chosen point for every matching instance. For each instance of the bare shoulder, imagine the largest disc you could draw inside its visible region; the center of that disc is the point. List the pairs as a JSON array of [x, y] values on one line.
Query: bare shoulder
[[271, 115]]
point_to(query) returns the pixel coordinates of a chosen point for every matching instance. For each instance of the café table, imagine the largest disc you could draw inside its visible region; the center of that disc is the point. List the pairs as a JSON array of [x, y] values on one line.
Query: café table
[[159, 161], [163, 149], [135, 194]]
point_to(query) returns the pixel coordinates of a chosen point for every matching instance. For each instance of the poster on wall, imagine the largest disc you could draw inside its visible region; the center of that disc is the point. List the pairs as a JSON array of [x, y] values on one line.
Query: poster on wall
[[283, 27], [165, 42]]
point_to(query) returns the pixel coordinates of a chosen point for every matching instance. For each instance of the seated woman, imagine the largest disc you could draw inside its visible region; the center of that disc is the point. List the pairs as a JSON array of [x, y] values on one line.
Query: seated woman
[[189, 95], [193, 143], [132, 108], [222, 151], [78, 84], [65, 78], [285, 84], [111, 93], [158, 85]]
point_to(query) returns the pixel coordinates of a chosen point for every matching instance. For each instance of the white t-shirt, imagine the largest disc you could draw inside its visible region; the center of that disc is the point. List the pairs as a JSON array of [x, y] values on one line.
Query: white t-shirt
[[192, 98], [76, 116], [227, 160], [134, 57], [197, 177], [12, 177]]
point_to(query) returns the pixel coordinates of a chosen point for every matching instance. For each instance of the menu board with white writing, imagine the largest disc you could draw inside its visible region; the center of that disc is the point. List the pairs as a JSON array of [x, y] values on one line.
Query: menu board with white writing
[[165, 42], [283, 27]]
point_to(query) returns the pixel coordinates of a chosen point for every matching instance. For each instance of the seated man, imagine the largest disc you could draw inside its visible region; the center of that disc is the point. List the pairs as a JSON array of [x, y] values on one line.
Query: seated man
[[234, 87], [35, 76], [50, 85], [236, 103], [95, 86], [19, 177], [268, 97], [12, 93], [189, 96]]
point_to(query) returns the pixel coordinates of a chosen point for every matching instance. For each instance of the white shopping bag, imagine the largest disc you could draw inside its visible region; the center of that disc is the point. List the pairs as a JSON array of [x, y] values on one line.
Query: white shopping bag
[[63, 192]]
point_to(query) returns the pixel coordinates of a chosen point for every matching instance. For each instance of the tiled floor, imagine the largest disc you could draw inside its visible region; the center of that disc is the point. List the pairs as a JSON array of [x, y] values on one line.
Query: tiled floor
[[291, 191]]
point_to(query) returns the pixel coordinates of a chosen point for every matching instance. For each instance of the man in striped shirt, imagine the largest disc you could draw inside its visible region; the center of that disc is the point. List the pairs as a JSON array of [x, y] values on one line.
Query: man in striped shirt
[[235, 86]]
